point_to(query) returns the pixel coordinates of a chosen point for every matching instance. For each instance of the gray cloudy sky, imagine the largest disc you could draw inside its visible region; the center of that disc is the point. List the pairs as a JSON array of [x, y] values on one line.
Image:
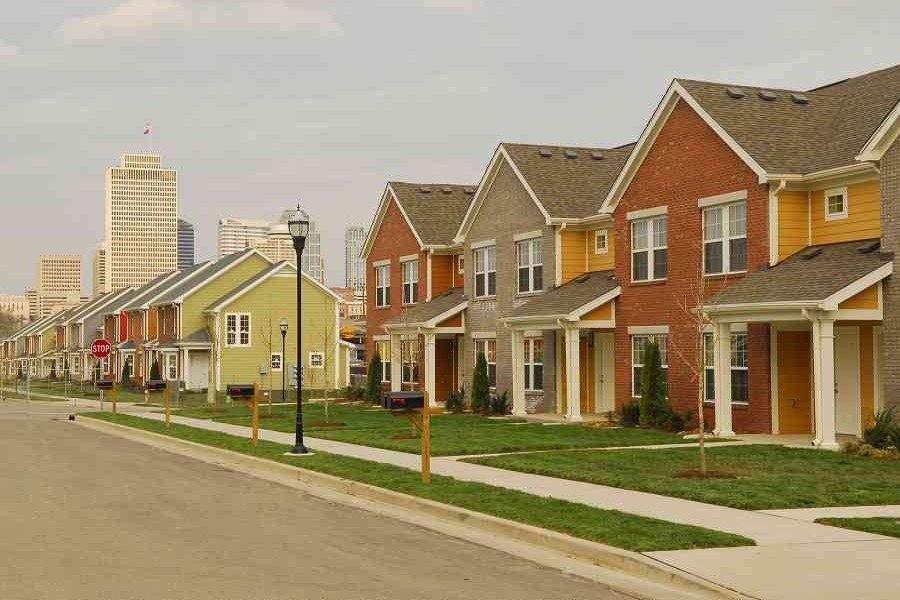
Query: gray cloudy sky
[[259, 103]]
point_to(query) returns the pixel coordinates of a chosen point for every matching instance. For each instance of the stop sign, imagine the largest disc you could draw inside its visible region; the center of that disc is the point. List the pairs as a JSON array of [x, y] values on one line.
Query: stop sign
[[100, 348]]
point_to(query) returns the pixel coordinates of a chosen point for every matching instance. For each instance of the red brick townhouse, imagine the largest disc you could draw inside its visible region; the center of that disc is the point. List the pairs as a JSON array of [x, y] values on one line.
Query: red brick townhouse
[[411, 260]]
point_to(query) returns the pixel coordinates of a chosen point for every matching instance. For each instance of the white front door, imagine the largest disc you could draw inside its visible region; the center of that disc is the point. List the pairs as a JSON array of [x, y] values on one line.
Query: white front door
[[605, 344], [846, 380], [199, 369]]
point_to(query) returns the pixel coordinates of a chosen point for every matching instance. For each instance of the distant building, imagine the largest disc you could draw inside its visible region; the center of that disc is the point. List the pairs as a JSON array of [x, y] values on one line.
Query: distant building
[[141, 221], [99, 273], [235, 234], [59, 274], [277, 244], [354, 265], [313, 263], [186, 244], [16, 305], [353, 306]]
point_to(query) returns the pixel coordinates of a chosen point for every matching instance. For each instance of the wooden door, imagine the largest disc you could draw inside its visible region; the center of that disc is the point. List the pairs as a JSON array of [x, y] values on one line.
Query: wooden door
[[794, 382], [445, 369], [586, 375]]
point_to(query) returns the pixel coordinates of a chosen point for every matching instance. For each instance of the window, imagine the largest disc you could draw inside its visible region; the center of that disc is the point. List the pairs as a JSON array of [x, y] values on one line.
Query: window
[[485, 271], [410, 357], [383, 285], [649, 244], [534, 364], [725, 239], [276, 361], [531, 265], [460, 264], [171, 362], [739, 370], [384, 351], [237, 329], [601, 241], [836, 204], [638, 347], [316, 360], [410, 270], [489, 349]]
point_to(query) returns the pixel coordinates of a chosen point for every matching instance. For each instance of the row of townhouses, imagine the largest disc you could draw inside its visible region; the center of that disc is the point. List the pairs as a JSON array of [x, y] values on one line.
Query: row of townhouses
[[772, 212], [215, 323]]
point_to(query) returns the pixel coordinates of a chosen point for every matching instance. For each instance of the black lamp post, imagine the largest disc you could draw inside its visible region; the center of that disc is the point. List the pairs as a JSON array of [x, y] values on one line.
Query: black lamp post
[[298, 226], [283, 326]]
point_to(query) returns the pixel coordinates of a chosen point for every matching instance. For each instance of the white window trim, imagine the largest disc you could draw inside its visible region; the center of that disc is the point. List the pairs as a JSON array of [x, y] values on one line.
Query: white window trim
[[387, 285], [482, 244], [706, 367], [529, 235], [529, 381], [530, 266], [408, 258], [597, 234], [725, 239], [460, 264], [841, 191], [237, 330], [385, 358], [486, 272], [316, 353], [382, 263], [646, 213], [483, 335], [663, 365], [650, 249], [280, 362], [730, 197], [403, 283]]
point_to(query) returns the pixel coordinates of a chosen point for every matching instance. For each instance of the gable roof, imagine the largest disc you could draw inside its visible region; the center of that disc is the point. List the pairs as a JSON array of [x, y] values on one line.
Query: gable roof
[[95, 304], [188, 285], [178, 278], [437, 309], [138, 293], [259, 278], [563, 301]]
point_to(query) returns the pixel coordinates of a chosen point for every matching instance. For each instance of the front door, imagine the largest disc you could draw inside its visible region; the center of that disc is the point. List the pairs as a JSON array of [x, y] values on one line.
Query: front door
[[586, 376], [794, 382], [604, 348], [199, 369], [444, 369], [846, 380]]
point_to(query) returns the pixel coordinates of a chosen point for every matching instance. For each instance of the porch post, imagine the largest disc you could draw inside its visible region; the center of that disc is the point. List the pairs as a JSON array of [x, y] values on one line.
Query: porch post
[[722, 341], [823, 346], [185, 368], [573, 376], [396, 363], [430, 386], [518, 373]]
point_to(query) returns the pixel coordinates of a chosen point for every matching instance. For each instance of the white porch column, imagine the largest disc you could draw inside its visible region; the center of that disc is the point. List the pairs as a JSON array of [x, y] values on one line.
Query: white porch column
[[573, 376], [186, 368], [518, 373], [823, 368], [396, 363], [430, 386], [722, 343]]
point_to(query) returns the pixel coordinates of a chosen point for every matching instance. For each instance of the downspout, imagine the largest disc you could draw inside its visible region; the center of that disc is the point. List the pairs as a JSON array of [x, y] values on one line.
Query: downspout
[[557, 243], [773, 221]]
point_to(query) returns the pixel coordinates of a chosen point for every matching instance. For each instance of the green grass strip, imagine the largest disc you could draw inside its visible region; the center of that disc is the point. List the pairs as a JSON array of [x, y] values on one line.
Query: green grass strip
[[889, 526], [615, 528]]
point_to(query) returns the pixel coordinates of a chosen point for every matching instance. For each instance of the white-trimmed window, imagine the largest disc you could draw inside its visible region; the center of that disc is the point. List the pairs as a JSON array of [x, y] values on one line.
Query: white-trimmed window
[[276, 362], [530, 255], [725, 239], [237, 329], [383, 348], [382, 285], [740, 374], [316, 360], [649, 248], [836, 204], [410, 355], [460, 264], [485, 271], [534, 364], [488, 347], [638, 348], [410, 271], [601, 241], [171, 364]]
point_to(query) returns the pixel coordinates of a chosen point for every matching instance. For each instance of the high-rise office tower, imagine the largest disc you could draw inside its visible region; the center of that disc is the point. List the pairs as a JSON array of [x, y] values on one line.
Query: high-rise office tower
[[277, 244], [99, 274], [235, 234], [354, 265], [141, 221], [59, 274], [186, 244]]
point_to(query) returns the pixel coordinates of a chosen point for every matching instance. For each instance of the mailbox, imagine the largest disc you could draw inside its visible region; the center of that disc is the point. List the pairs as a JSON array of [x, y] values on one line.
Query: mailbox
[[403, 400], [155, 385], [241, 390], [105, 384]]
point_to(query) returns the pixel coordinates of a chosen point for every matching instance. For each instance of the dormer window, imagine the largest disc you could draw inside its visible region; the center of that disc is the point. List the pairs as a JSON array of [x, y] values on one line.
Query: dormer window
[[836, 204]]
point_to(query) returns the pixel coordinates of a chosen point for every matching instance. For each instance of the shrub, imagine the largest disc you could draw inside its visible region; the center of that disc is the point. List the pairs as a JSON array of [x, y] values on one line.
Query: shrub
[[678, 422], [480, 386], [126, 373], [373, 380], [456, 401], [884, 432], [499, 404], [631, 414], [655, 410]]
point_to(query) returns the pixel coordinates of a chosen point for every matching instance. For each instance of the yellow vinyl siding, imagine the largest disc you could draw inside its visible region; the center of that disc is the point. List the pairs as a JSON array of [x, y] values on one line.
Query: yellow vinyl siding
[[574, 261], [793, 223], [866, 299], [863, 219], [601, 313], [601, 262]]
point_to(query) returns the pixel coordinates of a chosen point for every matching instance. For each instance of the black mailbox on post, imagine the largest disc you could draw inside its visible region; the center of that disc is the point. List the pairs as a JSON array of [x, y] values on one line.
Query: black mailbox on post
[[241, 390], [155, 385], [105, 384], [403, 400]]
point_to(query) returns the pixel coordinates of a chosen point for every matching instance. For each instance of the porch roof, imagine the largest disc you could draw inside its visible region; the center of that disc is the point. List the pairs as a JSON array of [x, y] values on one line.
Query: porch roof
[[566, 300], [812, 275], [197, 338], [429, 314]]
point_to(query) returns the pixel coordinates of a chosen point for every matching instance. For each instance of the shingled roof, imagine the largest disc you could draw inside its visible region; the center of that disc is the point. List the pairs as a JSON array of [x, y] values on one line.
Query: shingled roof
[[426, 311], [811, 275], [568, 297], [435, 210], [184, 286]]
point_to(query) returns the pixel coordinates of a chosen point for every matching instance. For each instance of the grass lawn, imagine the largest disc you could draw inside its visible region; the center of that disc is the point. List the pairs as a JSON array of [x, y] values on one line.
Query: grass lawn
[[615, 528], [768, 477], [451, 434], [881, 525]]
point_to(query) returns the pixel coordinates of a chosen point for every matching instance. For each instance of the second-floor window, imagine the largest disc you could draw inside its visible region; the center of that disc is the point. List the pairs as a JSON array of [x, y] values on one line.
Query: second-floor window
[[383, 285], [725, 239], [836, 204], [237, 329], [410, 270], [485, 271], [649, 249], [531, 265]]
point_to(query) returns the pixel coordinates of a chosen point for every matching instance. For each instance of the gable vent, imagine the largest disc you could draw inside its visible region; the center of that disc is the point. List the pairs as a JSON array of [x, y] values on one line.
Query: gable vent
[[597, 155], [425, 189], [735, 92], [545, 152], [571, 153], [767, 95], [446, 190], [799, 98]]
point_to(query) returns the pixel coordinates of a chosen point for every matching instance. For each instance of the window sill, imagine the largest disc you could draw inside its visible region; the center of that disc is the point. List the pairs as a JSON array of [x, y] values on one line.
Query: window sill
[[723, 275], [837, 217], [409, 304], [529, 294], [648, 282], [386, 306], [733, 403], [477, 298]]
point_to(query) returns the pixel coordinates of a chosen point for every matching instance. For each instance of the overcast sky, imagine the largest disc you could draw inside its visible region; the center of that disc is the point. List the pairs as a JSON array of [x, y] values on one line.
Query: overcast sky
[[261, 103]]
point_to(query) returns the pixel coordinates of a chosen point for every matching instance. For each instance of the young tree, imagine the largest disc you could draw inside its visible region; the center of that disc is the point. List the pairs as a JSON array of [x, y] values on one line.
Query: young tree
[[266, 337], [126, 373], [212, 381], [481, 385], [654, 407], [53, 371], [373, 379], [329, 359], [154, 371]]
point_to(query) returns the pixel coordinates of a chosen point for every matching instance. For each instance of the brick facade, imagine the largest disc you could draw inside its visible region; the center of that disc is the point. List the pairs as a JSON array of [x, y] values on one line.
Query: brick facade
[[890, 242], [689, 161]]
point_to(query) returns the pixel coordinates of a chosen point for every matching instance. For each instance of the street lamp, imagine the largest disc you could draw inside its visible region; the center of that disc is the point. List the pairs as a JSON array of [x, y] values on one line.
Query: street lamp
[[298, 226], [283, 326]]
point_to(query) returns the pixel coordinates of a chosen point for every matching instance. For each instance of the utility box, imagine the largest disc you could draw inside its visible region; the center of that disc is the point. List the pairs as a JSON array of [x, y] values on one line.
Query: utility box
[[241, 390], [403, 400]]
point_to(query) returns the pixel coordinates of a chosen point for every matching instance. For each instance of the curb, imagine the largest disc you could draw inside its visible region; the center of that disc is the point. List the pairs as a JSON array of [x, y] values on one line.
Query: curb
[[632, 564]]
